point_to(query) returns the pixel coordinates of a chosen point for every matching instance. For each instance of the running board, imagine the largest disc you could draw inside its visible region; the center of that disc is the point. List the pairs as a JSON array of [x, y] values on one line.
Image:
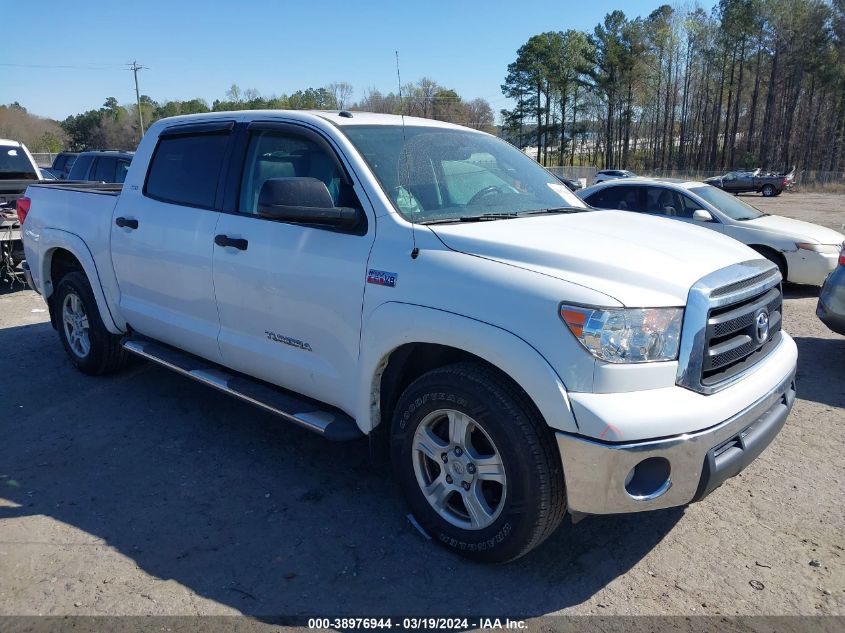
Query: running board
[[330, 423]]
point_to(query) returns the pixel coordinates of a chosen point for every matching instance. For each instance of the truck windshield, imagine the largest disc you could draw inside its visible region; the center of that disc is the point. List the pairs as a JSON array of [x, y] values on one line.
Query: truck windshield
[[727, 203], [15, 164], [435, 174]]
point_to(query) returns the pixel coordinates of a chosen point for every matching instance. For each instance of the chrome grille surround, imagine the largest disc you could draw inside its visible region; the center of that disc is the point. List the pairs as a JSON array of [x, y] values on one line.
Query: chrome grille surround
[[724, 287]]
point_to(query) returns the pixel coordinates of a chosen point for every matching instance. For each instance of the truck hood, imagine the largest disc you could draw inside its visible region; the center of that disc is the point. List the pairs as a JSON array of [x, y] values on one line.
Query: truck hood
[[638, 260], [796, 229]]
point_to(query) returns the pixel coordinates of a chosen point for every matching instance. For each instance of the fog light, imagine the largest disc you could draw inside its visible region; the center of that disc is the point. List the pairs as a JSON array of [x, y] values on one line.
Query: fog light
[[649, 479]]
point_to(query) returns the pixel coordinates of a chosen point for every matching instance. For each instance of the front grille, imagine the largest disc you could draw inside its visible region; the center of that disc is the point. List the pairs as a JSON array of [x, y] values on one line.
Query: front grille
[[721, 337], [732, 342]]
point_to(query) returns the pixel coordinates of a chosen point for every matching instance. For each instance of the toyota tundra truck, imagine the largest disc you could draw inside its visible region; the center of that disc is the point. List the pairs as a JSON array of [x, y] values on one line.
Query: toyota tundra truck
[[516, 354]]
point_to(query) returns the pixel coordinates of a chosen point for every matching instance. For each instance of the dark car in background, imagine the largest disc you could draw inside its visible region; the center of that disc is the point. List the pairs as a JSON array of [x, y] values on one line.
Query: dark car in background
[[571, 183], [831, 306], [101, 166], [750, 182], [62, 164]]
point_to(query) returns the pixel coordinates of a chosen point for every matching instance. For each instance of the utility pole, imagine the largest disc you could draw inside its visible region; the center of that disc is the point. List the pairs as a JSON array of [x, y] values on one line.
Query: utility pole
[[135, 68]]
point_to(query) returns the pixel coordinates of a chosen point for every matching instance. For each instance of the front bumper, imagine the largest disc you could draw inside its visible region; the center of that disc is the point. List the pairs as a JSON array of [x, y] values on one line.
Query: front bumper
[[809, 267], [680, 469]]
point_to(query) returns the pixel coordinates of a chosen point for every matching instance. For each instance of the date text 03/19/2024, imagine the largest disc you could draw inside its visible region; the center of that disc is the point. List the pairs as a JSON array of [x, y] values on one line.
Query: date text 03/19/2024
[[416, 623]]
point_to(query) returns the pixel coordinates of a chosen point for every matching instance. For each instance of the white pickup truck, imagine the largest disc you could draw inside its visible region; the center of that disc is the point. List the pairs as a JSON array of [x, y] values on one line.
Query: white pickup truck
[[517, 353]]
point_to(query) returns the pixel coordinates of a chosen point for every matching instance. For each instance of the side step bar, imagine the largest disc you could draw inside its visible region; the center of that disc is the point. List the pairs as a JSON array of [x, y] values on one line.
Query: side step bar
[[328, 422]]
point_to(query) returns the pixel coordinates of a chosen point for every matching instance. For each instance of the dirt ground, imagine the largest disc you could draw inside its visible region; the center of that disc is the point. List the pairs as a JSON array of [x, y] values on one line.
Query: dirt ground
[[145, 493]]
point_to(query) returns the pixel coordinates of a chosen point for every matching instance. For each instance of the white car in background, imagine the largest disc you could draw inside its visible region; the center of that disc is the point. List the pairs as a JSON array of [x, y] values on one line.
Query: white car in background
[[613, 174], [805, 253]]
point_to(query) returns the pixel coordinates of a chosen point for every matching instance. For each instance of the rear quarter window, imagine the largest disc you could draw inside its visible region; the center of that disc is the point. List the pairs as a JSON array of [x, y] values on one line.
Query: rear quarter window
[[185, 169]]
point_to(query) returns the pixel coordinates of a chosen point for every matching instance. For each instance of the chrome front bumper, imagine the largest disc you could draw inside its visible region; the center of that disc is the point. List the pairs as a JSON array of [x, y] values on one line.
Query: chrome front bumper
[[681, 468]]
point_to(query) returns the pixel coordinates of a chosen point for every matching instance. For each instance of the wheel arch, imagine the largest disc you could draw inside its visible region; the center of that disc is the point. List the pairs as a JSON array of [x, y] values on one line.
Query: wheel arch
[[773, 255], [63, 253], [392, 357]]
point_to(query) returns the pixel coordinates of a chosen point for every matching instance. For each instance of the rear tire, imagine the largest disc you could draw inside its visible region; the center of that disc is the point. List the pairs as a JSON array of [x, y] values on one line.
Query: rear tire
[[477, 464], [89, 345], [768, 191]]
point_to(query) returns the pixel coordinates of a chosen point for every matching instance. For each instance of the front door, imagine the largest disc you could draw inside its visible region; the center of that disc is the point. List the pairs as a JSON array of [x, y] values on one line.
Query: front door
[[163, 240], [290, 295]]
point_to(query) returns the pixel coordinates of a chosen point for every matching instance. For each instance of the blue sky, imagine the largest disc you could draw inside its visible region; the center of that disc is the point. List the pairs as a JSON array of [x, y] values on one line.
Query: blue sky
[[198, 49]]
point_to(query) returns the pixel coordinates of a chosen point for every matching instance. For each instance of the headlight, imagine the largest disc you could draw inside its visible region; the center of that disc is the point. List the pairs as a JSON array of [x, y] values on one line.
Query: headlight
[[626, 335], [829, 249]]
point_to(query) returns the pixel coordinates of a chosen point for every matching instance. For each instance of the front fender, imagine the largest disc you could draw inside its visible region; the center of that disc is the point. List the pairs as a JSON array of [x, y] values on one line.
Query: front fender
[[48, 242], [392, 325]]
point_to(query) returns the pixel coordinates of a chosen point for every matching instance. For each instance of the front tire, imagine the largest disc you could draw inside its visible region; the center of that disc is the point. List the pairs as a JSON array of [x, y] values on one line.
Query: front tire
[[477, 464], [89, 345]]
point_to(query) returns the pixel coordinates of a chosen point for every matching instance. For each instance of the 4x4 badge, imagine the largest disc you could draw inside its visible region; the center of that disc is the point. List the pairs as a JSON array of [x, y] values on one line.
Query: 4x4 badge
[[381, 278]]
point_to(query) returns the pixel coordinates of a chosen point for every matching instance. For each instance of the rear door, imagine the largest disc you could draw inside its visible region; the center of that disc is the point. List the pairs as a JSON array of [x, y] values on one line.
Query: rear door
[[290, 295], [163, 239]]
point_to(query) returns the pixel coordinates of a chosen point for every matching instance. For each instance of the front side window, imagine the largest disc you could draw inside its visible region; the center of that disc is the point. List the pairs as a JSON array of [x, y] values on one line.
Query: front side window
[[185, 169], [273, 154], [663, 201], [440, 174], [121, 170]]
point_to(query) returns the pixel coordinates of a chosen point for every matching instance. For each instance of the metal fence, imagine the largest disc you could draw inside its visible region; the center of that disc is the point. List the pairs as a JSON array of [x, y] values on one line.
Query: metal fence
[[43, 159], [809, 179]]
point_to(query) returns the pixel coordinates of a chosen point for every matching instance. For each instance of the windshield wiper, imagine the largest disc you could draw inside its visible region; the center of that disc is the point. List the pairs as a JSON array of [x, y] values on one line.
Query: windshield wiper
[[488, 216], [473, 218], [556, 210]]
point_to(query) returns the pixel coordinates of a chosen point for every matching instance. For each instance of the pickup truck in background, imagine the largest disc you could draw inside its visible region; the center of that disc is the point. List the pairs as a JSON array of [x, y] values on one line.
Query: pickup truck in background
[[17, 171], [101, 166], [516, 353], [750, 182]]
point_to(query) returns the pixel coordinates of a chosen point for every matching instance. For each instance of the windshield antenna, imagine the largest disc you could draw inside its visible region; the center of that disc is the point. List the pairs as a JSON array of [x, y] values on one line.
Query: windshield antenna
[[414, 251]]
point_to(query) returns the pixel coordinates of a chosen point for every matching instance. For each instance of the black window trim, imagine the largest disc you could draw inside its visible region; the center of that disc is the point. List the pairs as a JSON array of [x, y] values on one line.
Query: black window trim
[[240, 146], [214, 128]]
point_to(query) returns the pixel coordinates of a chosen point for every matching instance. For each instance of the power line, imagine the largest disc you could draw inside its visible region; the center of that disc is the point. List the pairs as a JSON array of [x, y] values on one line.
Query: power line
[[63, 66]]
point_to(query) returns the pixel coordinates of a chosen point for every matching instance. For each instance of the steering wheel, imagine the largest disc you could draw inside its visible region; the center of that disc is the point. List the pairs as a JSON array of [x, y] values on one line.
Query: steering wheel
[[483, 193]]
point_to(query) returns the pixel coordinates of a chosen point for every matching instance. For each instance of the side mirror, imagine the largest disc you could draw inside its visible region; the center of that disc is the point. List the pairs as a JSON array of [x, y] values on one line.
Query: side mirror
[[700, 215], [303, 200]]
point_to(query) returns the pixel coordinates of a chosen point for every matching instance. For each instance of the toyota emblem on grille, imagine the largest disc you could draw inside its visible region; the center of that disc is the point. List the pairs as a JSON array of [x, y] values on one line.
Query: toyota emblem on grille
[[762, 323]]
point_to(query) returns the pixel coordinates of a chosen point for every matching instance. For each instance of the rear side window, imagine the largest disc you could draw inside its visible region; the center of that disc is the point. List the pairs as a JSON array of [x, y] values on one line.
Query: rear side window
[[79, 171], [104, 171], [185, 169], [111, 169], [623, 198]]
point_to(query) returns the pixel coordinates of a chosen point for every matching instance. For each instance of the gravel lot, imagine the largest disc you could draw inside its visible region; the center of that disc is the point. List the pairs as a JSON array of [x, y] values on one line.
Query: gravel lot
[[145, 493]]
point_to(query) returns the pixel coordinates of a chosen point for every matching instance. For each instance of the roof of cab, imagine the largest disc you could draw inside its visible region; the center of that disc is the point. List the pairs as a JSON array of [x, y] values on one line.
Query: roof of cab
[[620, 182], [9, 142], [332, 116]]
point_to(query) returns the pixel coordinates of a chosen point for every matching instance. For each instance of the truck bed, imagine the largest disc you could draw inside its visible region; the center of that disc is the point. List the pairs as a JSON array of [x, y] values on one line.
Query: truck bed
[[104, 188]]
